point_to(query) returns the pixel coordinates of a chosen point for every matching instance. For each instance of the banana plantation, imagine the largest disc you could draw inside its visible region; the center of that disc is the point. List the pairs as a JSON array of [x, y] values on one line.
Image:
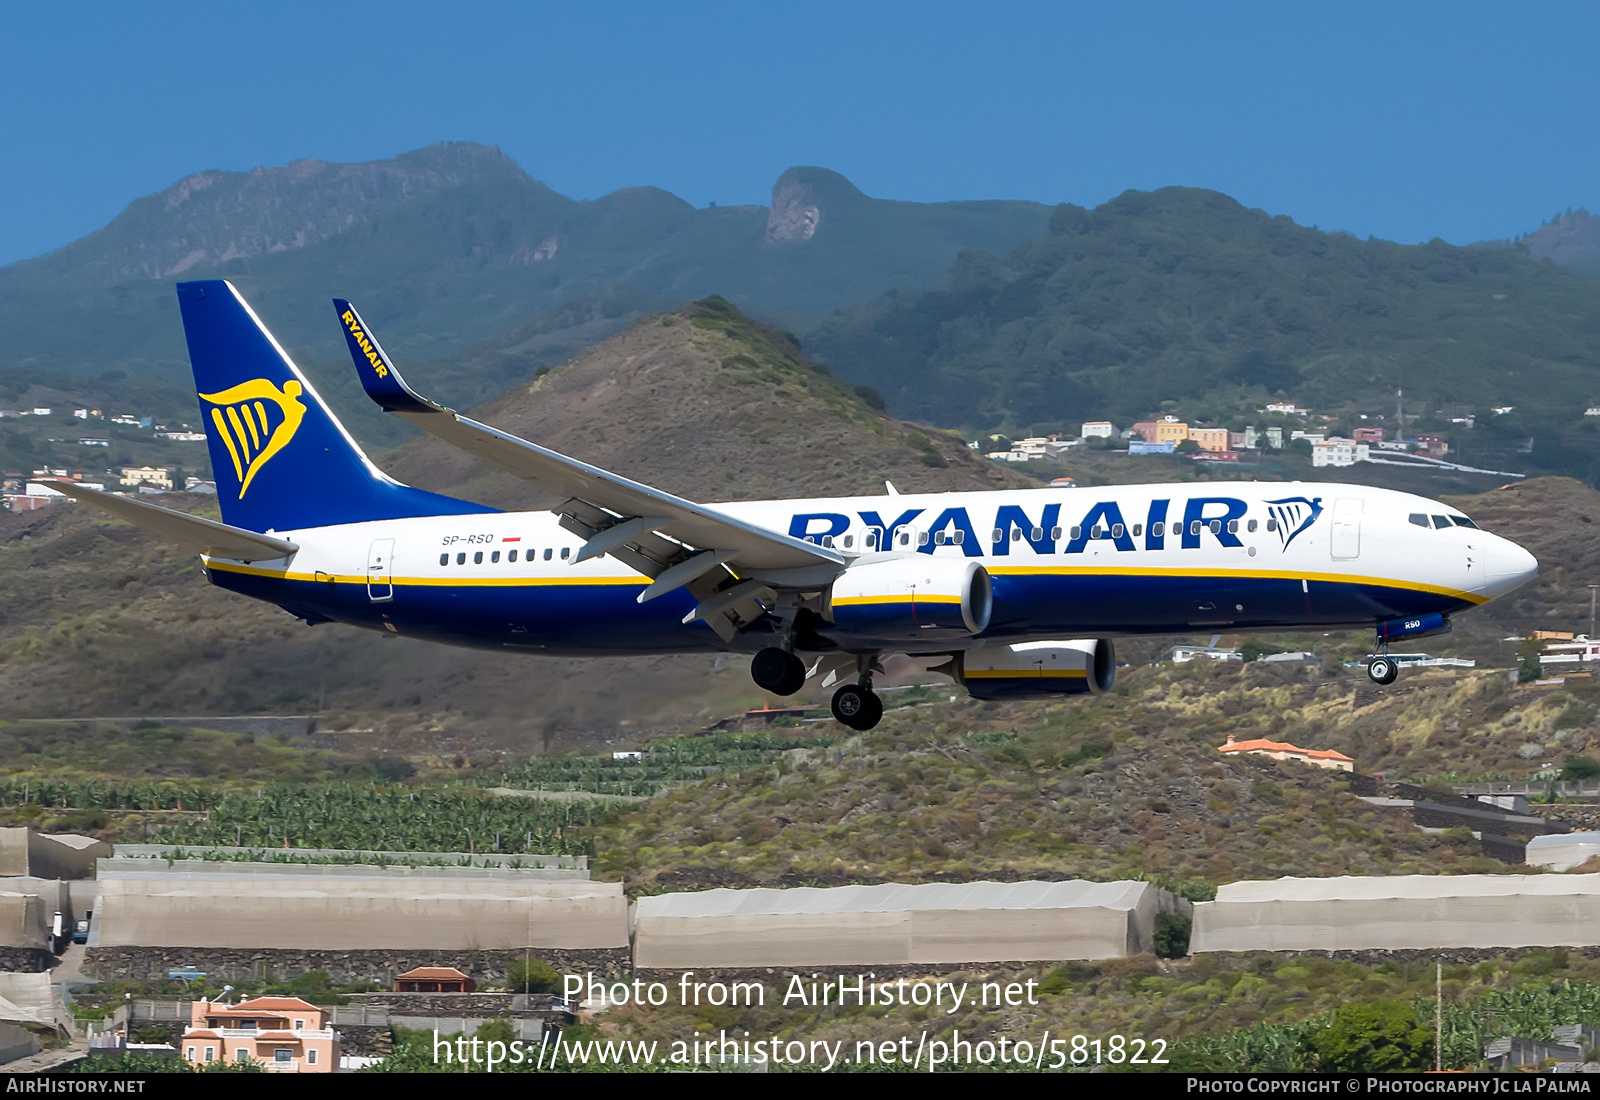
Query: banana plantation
[[331, 815]]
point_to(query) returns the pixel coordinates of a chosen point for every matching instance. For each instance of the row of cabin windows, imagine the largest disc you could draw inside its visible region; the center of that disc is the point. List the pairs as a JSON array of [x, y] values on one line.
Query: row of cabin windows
[[1441, 522], [511, 555], [1115, 531]]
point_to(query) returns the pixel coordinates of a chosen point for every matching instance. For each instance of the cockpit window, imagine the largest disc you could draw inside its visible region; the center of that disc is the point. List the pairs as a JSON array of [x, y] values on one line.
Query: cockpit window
[[1441, 522], [1463, 521], [1419, 519]]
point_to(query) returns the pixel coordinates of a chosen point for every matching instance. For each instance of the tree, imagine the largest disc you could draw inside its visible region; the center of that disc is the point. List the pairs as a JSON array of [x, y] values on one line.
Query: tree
[[1381, 1037], [1253, 650], [1580, 768], [1186, 447], [1529, 669], [532, 976]]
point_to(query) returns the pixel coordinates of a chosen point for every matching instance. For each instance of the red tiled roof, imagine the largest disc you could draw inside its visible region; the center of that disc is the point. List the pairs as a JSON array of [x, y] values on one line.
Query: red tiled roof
[[201, 1035], [274, 1004], [433, 973], [1263, 745]]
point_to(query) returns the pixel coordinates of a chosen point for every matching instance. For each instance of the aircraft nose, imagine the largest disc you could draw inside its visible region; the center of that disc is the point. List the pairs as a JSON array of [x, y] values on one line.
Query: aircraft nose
[[1507, 565]]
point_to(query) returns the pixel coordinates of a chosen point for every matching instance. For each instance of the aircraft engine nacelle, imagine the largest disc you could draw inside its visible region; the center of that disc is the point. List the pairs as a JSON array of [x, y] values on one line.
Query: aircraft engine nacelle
[[915, 597], [1033, 670]]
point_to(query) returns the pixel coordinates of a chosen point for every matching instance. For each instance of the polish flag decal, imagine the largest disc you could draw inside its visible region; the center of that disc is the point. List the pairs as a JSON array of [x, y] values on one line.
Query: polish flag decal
[[510, 538]]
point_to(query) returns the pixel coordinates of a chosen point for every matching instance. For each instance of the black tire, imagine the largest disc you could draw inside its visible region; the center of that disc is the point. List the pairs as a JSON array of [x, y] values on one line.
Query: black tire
[[777, 671], [1382, 670], [857, 707], [874, 711]]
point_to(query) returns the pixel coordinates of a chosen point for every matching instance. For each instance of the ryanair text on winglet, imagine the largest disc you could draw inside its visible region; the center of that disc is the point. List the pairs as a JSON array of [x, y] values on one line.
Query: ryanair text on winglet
[[365, 344]]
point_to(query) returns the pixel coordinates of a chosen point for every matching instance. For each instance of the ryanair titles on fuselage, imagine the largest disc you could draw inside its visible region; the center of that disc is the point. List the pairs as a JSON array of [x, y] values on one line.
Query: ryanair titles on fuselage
[[1044, 530]]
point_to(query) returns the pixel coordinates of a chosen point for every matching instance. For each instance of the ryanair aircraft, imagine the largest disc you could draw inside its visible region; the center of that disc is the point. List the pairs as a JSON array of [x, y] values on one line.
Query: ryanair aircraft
[[1013, 594]]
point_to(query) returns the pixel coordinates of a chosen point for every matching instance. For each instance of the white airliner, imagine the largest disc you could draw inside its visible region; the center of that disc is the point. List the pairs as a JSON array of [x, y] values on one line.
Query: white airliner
[[1013, 594]]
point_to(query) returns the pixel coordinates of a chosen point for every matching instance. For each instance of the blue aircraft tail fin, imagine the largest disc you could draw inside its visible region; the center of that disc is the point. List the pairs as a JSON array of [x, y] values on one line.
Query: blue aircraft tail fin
[[282, 460]]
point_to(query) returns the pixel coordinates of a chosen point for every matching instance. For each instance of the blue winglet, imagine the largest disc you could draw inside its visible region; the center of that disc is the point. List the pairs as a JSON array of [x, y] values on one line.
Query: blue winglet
[[375, 369]]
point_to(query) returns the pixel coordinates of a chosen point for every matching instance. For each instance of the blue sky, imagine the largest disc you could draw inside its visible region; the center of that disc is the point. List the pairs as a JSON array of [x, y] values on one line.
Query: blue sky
[[1406, 121]]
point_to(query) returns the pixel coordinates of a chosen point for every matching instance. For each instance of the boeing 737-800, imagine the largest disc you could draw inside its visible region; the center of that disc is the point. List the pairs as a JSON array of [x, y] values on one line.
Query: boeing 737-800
[[1014, 594]]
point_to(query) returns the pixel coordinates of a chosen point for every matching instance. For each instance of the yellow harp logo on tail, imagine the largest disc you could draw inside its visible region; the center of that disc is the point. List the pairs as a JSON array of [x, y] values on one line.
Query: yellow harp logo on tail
[[255, 420]]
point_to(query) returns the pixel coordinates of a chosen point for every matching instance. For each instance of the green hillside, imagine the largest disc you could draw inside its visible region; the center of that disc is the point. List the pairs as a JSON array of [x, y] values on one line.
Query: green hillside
[[1185, 296]]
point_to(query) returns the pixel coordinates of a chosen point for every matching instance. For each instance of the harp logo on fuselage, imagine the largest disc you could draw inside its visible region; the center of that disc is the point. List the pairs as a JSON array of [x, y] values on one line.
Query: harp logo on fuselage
[[255, 420]]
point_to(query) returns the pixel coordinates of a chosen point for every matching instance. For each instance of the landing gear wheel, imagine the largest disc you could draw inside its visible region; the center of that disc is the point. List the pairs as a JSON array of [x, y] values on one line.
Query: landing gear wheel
[[777, 671], [857, 707], [1383, 670]]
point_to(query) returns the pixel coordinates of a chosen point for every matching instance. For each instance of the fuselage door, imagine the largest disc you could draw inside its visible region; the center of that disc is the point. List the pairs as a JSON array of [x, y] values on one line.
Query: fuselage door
[[1347, 529], [380, 586]]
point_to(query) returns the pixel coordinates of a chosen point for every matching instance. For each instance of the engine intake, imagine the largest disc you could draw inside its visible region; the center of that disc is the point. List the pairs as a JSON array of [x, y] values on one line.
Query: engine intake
[[915, 597], [1032, 670]]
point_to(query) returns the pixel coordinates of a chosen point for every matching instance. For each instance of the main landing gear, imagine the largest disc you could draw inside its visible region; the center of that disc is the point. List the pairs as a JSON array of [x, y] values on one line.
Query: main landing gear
[[857, 706], [1383, 669], [782, 673], [778, 671]]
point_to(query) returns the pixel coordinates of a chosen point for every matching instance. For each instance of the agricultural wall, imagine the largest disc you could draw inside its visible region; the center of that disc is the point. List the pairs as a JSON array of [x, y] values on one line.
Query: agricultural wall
[[1401, 912], [934, 923], [374, 909]]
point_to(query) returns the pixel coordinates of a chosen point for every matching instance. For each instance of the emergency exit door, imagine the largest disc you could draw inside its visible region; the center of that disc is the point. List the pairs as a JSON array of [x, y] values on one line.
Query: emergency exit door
[[380, 583], [1347, 529]]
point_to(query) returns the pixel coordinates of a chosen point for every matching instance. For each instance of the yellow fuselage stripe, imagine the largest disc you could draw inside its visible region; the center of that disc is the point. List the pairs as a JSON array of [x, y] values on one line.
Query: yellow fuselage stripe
[[1005, 570]]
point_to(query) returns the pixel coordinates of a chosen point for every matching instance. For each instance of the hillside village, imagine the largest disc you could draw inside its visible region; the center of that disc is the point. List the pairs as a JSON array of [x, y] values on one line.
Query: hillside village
[[1168, 434]]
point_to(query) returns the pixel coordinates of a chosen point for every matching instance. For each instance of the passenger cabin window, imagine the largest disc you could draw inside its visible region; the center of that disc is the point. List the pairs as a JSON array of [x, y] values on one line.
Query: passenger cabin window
[[871, 540], [1233, 527], [1216, 527], [922, 538], [1158, 528], [566, 552], [1252, 525], [494, 557], [461, 558], [1055, 533], [1419, 519], [827, 540], [1272, 525], [444, 559], [511, 556], [477, 558], [548, 553], [1138, 529], [905, 538], [849, 541], [1077, 532], [1116, 530], [938, 538], [1194, 528]]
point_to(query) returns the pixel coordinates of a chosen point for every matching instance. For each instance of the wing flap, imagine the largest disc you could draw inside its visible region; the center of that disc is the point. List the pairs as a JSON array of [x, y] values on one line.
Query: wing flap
[[203, 536]]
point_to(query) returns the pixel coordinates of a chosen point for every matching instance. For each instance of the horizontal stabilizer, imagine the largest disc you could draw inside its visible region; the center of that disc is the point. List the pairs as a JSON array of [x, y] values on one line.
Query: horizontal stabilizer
[[203, 536]]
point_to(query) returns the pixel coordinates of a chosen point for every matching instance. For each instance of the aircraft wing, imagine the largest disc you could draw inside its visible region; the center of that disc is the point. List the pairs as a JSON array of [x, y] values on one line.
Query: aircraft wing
[[663, 536], [204, 536]]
